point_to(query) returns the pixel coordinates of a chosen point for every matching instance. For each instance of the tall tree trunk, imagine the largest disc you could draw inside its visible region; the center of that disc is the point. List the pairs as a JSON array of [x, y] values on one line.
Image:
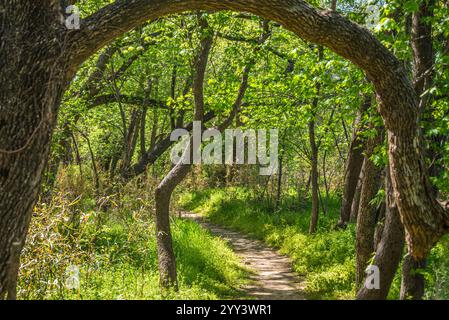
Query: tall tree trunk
[[279, 184], [354, 164], [314, 156], [389, 250], [356, 200], [94, 165], [366, 219], [167, 263], [166, 257], [326, 184], [33, 77], [130, 143], [412, 285], [314, 178], [422, 47], [380, 223], [77, 154], [142, 134], [143, 119]]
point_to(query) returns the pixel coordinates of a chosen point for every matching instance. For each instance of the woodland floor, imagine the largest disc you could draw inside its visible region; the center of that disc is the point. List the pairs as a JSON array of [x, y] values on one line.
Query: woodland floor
[[272, 277]]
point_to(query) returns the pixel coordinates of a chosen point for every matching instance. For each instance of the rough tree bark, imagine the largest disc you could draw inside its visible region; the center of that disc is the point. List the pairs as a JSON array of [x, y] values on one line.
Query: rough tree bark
[[366, 219], [356, 200], [33, 78], [39, 56], [389, 250], [354, 164], [412, 285]]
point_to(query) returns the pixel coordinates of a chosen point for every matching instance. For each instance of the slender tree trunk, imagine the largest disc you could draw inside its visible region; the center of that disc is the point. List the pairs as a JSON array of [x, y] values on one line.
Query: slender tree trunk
[[366, 219], [77, 154], [422, 47], [354, 164], [166, 257], [94, 165], [143, 122], [130, 143], [167, 263], [314, 178], [326, 184], [389, 250], [380, 225], [279, 184], [314, 156], [356, 201]]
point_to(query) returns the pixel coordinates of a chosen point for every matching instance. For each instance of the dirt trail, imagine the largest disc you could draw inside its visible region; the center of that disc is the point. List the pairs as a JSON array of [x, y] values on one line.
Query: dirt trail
[[272, 276]]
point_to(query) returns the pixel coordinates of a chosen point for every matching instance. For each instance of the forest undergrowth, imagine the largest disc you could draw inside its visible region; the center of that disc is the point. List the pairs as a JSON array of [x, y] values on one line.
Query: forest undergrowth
[[111, 240], [325, 259]]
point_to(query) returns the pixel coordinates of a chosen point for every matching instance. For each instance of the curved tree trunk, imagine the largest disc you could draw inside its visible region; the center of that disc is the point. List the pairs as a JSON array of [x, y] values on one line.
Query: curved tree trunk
[[425, 220], [35, 73], [33, 77], [166, 256]]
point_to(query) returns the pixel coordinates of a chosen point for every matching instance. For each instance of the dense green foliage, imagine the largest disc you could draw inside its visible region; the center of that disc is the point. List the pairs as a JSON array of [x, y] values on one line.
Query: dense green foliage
[[114, 247]]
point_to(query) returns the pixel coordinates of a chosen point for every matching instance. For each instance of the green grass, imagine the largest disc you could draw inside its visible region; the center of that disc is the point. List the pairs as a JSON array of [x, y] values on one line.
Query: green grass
[[117, 259], [115, 249], [325, 259]]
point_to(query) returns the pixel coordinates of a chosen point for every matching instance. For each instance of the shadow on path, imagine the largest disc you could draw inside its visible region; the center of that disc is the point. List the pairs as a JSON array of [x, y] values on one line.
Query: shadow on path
[[272, 276]]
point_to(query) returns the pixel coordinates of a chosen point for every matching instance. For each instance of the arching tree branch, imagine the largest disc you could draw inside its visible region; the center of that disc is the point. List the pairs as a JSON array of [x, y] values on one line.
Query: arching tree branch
[[425, 220]]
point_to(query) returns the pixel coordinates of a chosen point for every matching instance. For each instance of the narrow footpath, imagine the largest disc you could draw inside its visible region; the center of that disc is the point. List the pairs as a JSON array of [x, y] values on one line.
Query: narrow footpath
[[272, 277]]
